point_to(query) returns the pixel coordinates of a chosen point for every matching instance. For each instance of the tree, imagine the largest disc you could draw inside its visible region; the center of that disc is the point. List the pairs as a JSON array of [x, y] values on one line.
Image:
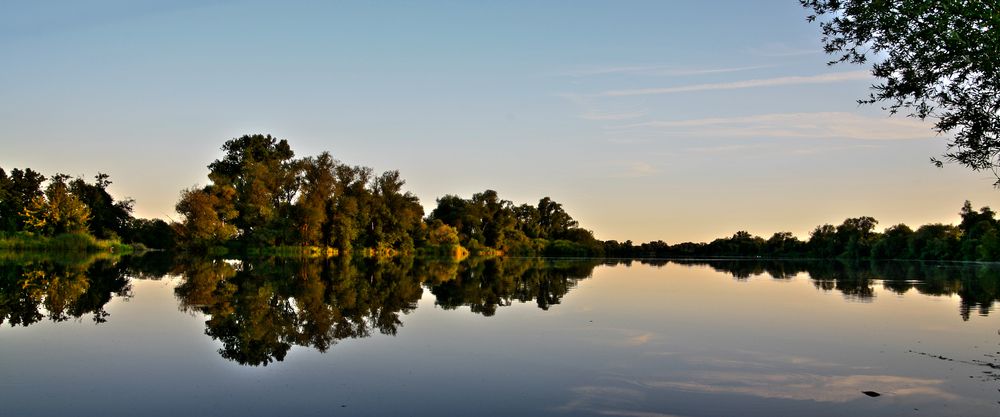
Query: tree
[[206, 218], [783, 244], [935, 242], [396, 215], [442, 234], [553, 221], [894, 243], [19, 189], [59, 211], [823, 241], [108, 218], [855, 235], [935, 59], [264, 176], [318, 183]]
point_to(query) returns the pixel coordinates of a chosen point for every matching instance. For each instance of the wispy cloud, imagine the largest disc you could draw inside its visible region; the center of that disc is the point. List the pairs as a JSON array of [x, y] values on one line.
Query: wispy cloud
[[730, 148], [660, 70], [639, 340], [638, 169], [738, 85], [596, 115], [780, 50], [817, 125]]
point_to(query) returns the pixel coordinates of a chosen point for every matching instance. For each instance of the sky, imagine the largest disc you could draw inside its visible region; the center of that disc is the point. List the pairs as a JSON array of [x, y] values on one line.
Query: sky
[[648, 120]]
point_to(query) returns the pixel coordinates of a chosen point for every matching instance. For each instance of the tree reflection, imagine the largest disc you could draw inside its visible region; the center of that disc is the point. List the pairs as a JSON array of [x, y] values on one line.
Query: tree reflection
[[259, 309], [35, 288], [977, 285], [487, 284]]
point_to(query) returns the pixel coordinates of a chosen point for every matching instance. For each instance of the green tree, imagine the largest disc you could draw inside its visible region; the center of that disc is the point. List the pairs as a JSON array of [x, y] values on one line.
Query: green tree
[[205, 218], [19, 189], [4, 196], [934, 59], [823, 242], [496, 217], [894, 243], [528, 220], [59, 211], [153, 233], [553, 221], [458, 213], [975, 227], [108, 218], [442, 234], [855, 236], [783, 244], [396, 215], [935, 242], [317, 190], [349, 213], [261, 171]]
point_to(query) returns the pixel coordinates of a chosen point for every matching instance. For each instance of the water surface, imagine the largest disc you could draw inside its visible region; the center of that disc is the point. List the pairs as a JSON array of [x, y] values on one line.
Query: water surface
[[496, 337]]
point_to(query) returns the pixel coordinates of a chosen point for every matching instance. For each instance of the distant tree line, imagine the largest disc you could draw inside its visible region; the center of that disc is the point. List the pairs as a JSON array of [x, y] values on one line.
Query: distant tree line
[[33, 205], [976, 238], [487, 222], [261, 196]]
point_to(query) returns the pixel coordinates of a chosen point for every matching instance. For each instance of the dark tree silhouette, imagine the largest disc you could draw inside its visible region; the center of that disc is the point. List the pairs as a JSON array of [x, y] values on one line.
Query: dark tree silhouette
[[935, 59]]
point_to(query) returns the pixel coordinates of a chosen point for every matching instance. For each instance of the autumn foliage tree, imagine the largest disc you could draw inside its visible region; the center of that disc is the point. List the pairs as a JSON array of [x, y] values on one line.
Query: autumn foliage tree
[[261, 195], [58, 211]]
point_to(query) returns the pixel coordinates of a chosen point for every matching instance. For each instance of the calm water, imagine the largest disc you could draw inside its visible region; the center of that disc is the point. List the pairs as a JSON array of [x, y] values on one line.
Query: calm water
[[161, 337]]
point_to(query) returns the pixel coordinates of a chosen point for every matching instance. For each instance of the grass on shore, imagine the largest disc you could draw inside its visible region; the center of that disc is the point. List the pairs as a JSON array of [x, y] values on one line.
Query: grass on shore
[[67, 242]]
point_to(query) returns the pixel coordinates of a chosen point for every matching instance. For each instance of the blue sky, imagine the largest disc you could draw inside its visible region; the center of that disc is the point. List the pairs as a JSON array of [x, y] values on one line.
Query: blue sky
[[673, 120]]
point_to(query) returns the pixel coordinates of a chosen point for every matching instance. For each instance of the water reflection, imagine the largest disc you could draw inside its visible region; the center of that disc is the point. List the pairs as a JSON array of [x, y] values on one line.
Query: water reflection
[[259, 309], [33, 288], [485, 285], [976, 285]]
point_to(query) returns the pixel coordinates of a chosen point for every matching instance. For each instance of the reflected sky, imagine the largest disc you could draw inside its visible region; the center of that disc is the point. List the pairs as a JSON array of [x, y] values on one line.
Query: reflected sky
[[426, 338]]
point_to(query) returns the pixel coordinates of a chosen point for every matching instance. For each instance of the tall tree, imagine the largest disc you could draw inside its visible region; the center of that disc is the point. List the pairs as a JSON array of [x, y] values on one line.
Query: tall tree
[[108, 218], [317, 190], [553, 221], [206, 218], [263, 174], [59, 211], [397, 215], [21, 187]]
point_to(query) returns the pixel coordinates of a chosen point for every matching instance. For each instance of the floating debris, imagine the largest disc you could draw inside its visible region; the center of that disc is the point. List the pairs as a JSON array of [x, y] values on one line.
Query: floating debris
[[871, 393]]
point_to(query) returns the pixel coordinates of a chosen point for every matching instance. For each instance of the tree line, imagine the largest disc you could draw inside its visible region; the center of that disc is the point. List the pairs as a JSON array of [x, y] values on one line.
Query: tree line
[[73, 212], [976, 238], [261, 195]]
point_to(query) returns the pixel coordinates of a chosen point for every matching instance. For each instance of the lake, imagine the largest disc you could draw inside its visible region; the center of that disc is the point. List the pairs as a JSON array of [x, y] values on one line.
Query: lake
[[155, 336]]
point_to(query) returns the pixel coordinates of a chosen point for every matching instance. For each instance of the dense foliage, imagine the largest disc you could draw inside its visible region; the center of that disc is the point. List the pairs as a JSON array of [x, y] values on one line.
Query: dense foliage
[[73, 212], [935, 59], [260, 195], [486, 221], [976, 238], [263, 200]]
